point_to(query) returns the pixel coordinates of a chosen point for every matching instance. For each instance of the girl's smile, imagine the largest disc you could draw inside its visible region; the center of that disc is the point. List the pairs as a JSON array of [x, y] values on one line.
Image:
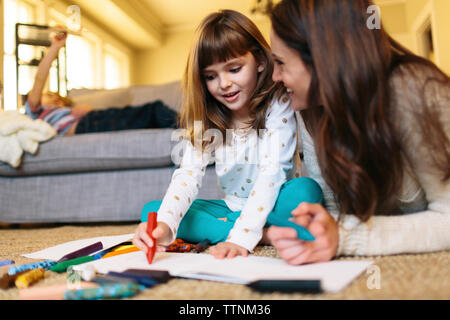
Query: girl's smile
[[231, 97]]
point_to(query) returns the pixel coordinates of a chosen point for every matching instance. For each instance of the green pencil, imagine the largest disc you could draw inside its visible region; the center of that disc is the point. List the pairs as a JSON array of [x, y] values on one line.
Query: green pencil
[[62, 266]]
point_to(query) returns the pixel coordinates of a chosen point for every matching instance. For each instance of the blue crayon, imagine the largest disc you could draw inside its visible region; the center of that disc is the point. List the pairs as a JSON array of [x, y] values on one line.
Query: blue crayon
[[6, 262], [110, 291], [47, 264]]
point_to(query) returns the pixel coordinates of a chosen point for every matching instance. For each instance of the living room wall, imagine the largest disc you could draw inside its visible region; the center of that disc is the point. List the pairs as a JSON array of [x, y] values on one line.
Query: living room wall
[[167, 63]]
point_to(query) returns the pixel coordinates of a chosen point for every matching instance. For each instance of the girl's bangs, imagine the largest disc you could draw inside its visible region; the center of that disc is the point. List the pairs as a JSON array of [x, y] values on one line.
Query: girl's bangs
[[220, 46]]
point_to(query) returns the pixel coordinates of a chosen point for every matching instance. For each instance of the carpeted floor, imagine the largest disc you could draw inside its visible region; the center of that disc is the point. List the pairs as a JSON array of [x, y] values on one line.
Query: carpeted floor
[[425, 276]]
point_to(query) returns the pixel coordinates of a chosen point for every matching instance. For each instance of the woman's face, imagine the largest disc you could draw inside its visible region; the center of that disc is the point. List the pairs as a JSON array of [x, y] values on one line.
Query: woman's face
[[291, 71]]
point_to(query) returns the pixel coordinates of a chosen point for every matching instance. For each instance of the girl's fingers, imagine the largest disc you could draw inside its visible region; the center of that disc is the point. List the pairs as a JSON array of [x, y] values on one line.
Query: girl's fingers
[[138, 243], [160, 249], [216, 252], [231, 253], [226, 250], [143, 235]]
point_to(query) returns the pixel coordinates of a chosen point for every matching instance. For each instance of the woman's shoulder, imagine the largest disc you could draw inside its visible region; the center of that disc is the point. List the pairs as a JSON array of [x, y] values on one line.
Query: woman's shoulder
[[414, 86], [416, 77]]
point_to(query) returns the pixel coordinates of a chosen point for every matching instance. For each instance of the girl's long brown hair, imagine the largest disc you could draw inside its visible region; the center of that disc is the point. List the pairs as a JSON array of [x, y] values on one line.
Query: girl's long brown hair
[[222, 36], [350, 115]]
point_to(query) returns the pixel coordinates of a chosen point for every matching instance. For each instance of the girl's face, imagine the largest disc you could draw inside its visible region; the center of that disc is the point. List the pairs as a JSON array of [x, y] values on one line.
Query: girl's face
[[233, 82], [291, 71]]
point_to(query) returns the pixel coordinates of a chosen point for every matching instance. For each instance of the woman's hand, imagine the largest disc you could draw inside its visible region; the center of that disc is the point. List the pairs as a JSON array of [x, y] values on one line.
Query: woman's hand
[[161, 233], [227, 250], [322, 226]]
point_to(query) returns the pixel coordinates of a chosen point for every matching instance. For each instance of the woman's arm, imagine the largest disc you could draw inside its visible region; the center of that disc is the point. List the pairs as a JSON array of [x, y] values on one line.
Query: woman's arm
[[421, 231], [34, 97]]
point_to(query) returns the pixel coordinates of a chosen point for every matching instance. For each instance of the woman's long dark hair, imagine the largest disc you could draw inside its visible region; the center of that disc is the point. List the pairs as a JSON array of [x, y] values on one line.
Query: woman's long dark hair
[[359, 152]]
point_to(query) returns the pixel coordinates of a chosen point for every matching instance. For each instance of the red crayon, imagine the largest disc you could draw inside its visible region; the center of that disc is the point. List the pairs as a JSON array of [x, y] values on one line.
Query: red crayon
[[151, 225]]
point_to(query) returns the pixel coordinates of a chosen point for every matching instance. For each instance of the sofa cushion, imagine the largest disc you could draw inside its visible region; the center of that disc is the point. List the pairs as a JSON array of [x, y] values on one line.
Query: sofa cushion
[[102, 99], [169, 94], [119, 150]]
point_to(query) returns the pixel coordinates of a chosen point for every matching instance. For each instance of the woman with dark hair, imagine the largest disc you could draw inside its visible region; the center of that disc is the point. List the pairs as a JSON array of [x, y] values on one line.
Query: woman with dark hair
[[375, 129]]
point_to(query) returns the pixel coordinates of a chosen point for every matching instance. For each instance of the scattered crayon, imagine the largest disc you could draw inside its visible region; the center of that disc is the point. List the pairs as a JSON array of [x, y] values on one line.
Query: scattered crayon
[[82, 252], [100, 254], [145, 281], [88, 273], [112, 291], [202, 246], [7, 281], [47, 264], [108, 279], [118, 252], [123, 247], [6, 262], [62, 266], [28, 278], [180, 245]]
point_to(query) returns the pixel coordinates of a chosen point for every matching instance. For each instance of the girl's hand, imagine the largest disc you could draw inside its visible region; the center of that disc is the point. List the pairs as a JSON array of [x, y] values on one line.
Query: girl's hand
[[321, 225], [59, 39], [161, 233], [227, 250]]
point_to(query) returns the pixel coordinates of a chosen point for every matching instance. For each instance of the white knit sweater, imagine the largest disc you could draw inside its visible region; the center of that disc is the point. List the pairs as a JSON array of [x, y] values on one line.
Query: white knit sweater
[[423, 225]]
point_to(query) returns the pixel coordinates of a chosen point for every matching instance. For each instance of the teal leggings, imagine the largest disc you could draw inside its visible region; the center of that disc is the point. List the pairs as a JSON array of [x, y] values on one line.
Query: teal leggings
[[202, 219]]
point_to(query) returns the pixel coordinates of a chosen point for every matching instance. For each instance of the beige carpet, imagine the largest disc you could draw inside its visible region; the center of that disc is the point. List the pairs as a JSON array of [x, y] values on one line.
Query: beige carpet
[[425, 276]]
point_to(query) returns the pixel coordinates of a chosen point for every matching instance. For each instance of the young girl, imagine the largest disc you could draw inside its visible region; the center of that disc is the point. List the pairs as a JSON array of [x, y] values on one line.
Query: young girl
[[227, 88]]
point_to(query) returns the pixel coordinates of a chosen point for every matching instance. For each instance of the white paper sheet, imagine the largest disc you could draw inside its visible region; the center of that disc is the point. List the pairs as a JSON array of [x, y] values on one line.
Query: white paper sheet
[[334, 275], [57, 252]]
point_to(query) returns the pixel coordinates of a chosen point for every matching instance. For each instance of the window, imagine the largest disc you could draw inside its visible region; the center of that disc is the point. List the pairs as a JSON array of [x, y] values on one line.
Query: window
[[116, 68], [92, 62], [18, 11], [80, 63]]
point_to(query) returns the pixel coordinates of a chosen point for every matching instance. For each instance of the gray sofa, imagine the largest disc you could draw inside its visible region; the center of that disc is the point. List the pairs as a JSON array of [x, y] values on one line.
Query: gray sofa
[[100, 177]]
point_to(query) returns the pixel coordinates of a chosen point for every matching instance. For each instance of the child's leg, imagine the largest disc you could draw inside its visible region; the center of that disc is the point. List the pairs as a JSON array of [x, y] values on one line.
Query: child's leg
[[292, 193], [152, 206], [205, 219]]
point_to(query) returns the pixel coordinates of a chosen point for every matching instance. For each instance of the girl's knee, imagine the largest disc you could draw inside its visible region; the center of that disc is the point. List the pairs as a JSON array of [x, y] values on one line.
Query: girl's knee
[[152, 206], [305, 189]]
